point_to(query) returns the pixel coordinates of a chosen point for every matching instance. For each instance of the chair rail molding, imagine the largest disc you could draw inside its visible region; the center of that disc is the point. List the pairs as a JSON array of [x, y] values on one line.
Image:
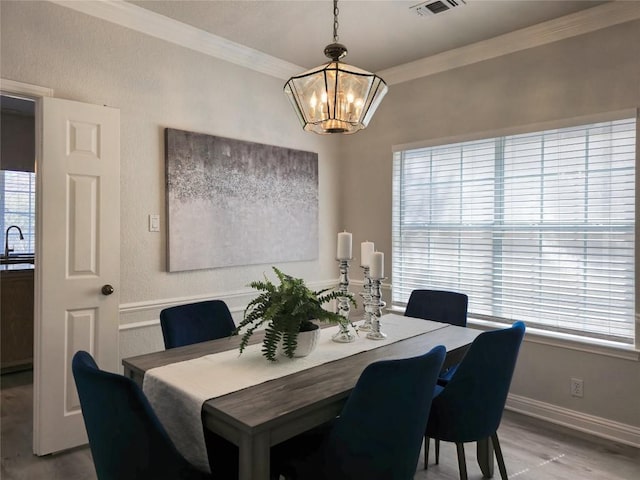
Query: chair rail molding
[[236, 300], [140, 330]]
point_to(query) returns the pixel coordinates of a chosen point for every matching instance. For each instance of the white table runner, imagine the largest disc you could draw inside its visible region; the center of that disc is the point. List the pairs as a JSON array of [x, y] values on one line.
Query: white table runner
[[178, 390]]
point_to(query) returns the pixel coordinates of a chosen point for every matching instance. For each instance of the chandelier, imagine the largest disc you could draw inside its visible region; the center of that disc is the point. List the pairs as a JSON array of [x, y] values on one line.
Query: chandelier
[[335, 97]]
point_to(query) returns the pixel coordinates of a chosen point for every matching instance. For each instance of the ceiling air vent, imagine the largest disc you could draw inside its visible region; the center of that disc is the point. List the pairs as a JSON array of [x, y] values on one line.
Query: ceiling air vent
[[432, 7]]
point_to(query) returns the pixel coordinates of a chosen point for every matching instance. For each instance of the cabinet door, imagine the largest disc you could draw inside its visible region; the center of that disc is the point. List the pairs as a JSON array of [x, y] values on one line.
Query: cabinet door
[[16, 304]]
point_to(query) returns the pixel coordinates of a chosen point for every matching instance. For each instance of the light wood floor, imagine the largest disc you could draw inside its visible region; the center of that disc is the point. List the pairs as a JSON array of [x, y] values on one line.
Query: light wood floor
[[533, 450]]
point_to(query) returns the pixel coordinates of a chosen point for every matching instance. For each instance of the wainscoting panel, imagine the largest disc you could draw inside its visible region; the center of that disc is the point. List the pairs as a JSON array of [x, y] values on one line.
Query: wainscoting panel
[[140, 333]]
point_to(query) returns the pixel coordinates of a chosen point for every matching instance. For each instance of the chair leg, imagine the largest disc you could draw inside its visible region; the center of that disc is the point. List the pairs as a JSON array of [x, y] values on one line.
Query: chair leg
[[499, 457], [462, 464], [437, 451], [427, 440]]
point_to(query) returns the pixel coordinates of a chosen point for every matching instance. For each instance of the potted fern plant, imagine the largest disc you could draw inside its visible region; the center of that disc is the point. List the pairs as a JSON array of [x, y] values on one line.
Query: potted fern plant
[[286, 310]]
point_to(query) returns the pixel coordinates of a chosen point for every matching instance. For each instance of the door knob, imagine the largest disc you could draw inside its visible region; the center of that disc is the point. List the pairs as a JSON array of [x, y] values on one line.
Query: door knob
[[107, 289]]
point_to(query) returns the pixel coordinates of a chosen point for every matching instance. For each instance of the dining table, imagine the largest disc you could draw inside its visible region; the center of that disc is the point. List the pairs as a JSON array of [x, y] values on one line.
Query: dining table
[[281, 404]]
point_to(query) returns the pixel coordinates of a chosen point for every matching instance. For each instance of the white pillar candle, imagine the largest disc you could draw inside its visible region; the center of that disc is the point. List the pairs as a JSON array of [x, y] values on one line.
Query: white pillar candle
[[344, 246], [366, 249], [376, 267]]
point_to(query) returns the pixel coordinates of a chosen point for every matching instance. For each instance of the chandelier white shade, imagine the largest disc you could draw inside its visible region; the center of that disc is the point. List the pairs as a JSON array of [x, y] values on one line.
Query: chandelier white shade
[[335, 97]]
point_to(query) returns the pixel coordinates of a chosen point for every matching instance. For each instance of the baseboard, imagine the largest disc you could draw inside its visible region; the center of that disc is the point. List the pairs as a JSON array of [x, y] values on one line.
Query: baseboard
[[597, 426]]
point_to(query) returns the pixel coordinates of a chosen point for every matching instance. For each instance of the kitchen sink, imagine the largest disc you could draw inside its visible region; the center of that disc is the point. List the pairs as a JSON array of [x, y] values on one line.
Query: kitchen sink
[[14, 259]]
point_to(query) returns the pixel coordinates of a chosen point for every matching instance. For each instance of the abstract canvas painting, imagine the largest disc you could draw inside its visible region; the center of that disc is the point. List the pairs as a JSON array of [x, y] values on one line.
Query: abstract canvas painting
[[232, 202]]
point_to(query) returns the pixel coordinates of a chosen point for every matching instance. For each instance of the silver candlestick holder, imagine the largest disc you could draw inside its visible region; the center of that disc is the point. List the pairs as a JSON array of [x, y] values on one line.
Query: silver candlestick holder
[[366, 301], [376, 305], [344, 335]]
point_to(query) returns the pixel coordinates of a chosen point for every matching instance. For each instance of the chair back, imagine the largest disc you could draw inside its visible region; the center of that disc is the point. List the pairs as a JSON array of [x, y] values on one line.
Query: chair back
[[127, 440], [195, 322], [439, 306], [470, 406], [379, 433]]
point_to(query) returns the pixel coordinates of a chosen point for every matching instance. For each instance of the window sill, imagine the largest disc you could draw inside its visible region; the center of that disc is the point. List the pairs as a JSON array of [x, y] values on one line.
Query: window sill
[[570, 342]]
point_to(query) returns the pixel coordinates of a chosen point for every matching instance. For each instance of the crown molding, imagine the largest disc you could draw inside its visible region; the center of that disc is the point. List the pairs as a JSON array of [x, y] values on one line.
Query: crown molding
[[579, 23], [150, 23]]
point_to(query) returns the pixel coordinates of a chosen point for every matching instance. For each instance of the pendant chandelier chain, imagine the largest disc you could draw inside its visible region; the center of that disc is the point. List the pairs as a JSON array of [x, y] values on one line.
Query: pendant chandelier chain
[[335, 21]]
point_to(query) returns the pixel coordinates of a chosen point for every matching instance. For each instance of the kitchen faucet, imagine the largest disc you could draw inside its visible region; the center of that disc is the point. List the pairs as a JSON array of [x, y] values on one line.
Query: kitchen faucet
[[8, 250]]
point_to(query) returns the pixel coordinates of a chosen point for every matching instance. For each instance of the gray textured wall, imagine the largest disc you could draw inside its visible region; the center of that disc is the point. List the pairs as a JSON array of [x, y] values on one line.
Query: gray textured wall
[[156, 84]]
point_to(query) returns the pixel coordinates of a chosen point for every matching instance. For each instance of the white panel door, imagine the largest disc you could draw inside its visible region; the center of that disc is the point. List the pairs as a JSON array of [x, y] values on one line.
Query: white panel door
[[78, 255]]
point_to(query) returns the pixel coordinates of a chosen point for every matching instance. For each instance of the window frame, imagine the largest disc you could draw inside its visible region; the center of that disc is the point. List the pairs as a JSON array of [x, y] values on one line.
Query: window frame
[[565, 340]]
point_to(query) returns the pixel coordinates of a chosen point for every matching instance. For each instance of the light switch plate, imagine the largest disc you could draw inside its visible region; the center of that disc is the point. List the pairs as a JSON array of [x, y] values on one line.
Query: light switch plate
[[154, 223]]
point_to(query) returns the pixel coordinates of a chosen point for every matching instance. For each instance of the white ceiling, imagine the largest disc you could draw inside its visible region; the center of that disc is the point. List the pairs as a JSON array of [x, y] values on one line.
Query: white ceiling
[[379, 34]]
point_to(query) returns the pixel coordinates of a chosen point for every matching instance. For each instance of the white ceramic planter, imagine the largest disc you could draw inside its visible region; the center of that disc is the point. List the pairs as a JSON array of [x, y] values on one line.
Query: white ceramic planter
[[307, 342]]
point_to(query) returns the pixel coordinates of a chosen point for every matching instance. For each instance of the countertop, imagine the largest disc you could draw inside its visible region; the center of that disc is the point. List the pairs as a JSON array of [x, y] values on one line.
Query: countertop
[[16, 266]]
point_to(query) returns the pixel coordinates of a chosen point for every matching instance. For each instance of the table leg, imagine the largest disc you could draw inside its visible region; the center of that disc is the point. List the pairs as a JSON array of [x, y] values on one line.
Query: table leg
[[484, 451], [254, 457]]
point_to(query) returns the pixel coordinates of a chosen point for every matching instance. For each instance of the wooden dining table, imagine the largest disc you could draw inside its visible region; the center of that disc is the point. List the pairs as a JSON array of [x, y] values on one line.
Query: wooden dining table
[[263, 415]]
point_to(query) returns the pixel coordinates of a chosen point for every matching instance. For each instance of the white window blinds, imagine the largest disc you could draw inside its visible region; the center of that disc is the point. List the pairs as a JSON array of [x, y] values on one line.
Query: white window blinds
[[536, 227], [18, 203]]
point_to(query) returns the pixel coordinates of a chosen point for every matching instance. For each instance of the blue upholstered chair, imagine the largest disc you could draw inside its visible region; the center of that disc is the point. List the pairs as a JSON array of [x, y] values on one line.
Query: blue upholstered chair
[[127, 441], [440, 306], [378, 435], [195, 322], [469, 407]]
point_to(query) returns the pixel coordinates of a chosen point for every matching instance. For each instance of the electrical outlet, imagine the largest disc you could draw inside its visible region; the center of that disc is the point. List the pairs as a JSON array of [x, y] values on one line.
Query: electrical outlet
[[577, 387]]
